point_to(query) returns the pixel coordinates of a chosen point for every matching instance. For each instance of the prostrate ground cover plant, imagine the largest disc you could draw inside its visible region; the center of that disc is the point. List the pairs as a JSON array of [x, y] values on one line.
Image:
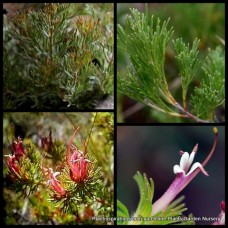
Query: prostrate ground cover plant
[[145, 40], [59, 56], [50, 181]]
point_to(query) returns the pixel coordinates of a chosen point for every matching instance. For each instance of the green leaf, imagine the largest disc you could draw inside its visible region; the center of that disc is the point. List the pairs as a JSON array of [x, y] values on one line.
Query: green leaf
[[146, 190], [122, 210], [174, 210]]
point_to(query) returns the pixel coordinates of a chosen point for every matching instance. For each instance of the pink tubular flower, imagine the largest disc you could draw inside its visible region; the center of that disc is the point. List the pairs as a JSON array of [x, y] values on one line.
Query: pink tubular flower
[[183, 177], [55, 184], [13, 165], [77, 162]]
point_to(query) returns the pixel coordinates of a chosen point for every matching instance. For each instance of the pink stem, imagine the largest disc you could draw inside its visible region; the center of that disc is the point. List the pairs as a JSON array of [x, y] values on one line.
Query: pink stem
[[179, 183]]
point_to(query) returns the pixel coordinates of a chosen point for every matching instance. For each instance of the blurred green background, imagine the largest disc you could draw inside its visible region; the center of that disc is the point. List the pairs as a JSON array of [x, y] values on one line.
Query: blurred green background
[[154, 150], [205, 21]]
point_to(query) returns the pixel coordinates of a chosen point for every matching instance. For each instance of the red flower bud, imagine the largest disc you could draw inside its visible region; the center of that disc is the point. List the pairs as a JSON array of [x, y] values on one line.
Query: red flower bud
[[17, 148], [47, 143]]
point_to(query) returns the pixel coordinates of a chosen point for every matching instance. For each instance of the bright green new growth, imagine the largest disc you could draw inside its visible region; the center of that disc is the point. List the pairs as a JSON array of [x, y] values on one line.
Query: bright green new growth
[[144, 209], [145, 40], [146, 190], [188, 62], [211, 92]]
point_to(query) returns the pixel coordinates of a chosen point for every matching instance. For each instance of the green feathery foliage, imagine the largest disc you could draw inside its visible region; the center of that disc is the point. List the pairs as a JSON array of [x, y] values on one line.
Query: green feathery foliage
[[145, 40], [146, 190], [142, 216], [78, 194], [211, 92], [55, 59], [188, 63]]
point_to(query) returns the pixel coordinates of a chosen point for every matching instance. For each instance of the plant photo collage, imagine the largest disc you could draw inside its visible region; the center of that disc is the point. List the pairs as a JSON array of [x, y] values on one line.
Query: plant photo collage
[[113, 113]]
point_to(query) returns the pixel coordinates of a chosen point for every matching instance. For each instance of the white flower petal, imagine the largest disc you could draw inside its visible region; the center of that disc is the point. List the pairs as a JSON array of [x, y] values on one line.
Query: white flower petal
[[56, 174], [184, 161], [190, 160], [195, 166], [8, 155], [177, 169]]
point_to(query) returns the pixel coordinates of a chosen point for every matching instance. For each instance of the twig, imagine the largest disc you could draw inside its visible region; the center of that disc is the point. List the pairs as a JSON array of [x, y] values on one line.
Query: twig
[[86, 143], [198, 120]]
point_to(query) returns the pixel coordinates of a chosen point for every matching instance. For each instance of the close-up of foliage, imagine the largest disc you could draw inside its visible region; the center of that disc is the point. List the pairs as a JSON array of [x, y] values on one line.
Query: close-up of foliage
[[58, 168], [148, 48], [178, 203], [58, 56]]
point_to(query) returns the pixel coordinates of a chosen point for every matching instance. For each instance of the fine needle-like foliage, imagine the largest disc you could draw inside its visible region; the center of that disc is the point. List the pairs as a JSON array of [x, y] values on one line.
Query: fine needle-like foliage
[[211, 92], [145, 40], [188, 63], [58, 57], [143, 212]]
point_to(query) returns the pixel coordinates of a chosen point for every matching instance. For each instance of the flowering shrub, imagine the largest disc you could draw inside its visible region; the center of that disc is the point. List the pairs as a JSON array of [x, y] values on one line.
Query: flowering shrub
[[167, 209], [50, 55], [52, 178]]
